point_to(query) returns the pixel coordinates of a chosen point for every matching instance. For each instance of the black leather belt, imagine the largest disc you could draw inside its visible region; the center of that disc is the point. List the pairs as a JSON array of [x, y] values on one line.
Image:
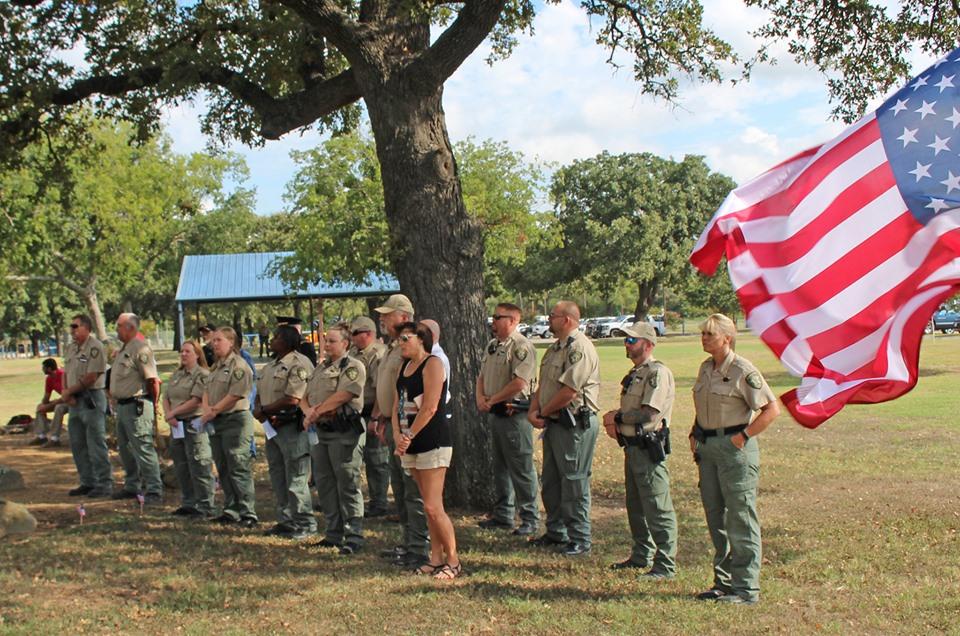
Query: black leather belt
[[730, 430], [131, 400]]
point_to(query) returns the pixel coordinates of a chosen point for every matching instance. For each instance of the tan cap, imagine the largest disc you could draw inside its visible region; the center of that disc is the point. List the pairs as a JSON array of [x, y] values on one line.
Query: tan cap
[[396, 302], [642, 329], [362, 323], [434, 328]]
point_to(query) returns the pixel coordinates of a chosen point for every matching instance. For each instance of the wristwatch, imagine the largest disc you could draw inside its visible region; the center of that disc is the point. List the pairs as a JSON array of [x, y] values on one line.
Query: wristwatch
[[746, 438]]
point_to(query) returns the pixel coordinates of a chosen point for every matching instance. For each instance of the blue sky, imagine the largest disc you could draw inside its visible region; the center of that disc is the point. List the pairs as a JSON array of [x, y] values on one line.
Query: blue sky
[[556, 98]]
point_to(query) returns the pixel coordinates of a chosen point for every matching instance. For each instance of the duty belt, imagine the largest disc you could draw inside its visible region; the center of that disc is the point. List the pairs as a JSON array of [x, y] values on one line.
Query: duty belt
[[703, 433], [131, 400]]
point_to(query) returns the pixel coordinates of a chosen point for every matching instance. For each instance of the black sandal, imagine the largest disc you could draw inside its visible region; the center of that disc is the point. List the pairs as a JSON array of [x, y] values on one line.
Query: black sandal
[[447, 572], [430, 570]]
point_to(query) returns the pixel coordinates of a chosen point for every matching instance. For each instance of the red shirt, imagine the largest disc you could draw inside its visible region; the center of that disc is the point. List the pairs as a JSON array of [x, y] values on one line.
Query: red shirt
[[54, 382]]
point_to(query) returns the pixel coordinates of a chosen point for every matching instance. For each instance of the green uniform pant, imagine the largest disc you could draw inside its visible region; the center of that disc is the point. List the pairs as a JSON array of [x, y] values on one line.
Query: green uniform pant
[[567, 462], [230, 443], [88, 442], [515, 476], [137, 451], [406, 493], [728, 489], [193, 466], [653, 522], [337, 460], [376, 460], [288, 457]]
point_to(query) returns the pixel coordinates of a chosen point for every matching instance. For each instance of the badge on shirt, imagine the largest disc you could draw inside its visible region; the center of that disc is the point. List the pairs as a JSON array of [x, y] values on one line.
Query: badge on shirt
[[351, 373], [575, 357], [754, 380], [94, 353], [653, 381], [521, 354], [238, 374], [301, 373], [143, 358]]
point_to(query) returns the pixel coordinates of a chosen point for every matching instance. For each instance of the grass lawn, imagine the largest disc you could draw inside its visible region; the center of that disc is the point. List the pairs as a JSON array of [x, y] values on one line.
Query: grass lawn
[[860, 527]]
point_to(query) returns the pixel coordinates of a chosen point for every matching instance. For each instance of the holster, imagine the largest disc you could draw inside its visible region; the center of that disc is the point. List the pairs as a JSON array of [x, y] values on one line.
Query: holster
[[287, 417], [511, 408], [698, 432]]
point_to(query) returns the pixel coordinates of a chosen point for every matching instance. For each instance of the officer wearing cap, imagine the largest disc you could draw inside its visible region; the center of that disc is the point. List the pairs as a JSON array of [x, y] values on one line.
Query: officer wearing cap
[[84, 367], [333, 403], [135, 385], [566, 405], [728, 391], [396, 311], [280, 388], [306, 347], [506, 380], [206, 333], [642, 427], [376, 455]]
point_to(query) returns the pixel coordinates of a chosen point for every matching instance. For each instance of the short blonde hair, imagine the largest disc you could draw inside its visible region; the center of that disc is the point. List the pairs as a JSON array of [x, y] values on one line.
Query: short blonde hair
[[721, 324]]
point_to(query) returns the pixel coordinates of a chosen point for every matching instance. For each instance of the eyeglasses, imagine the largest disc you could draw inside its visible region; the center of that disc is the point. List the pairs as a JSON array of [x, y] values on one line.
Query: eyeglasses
[[74, 326], [357, 332], [552, 316], [630, 340], [500, 316], [407, 337]]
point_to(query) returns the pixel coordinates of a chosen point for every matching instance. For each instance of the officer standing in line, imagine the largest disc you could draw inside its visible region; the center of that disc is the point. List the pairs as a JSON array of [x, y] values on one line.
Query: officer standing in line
[[413, 553], [565, 405], [135, 385], [226, 408], [733, 406], [305, 347], [376, 455], [84, 368], [642, 427], [333, 403], [506, 380], [280, 389]]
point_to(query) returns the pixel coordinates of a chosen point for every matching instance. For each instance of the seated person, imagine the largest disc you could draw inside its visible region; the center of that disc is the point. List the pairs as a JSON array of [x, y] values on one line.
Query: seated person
[[47, 431]]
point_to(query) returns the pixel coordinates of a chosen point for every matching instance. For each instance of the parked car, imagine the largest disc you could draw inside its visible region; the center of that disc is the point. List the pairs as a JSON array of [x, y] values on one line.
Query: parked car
[[524, 329], [616, 328], [946, 321], [540, 329], [594, 326]]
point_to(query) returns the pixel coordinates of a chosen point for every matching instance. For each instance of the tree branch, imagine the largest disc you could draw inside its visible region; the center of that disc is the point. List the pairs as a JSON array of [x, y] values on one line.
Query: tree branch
[[444, 57], [333, 23], [33, 278]]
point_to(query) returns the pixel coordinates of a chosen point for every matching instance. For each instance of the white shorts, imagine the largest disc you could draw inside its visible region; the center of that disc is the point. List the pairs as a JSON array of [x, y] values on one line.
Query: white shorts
[[436, 458]]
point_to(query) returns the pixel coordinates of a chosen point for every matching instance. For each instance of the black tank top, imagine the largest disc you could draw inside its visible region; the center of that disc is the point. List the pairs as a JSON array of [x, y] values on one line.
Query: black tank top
[[436, 433]]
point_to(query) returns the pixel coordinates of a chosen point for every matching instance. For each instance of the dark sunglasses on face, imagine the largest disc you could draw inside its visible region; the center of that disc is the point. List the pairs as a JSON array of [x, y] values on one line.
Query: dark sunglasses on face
[[630, 340], [357, 332], [500, 316], [74, 326], [407, 337]]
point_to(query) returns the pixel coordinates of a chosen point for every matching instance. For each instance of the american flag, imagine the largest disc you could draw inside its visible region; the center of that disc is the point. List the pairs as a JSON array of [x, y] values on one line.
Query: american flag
[[840, 254], [82, 511]]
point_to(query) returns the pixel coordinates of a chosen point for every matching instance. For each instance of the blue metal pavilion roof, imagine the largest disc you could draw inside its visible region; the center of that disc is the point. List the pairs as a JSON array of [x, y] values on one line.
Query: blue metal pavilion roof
[[227, 278]]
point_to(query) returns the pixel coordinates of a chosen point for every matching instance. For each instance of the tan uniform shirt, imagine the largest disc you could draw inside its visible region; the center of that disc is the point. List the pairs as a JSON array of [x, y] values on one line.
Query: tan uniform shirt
[[370, 357], [230, 376], [573, 363], [184, 385], [80, 360], [648, 384], [387, 378], [131, 369], [346, 374], [514, 357], [729, 395], [284, 377]]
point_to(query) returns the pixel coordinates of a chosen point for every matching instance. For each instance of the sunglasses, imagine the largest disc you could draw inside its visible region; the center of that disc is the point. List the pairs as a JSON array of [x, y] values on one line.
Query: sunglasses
[[74, 326], [630, 340], [357, 332], [500, 316], [407, 337]]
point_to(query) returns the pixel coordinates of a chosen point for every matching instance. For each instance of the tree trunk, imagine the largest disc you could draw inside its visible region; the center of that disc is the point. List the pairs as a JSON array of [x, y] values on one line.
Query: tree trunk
[[93, 306], [438, 257], [646, 296], [176, 329]]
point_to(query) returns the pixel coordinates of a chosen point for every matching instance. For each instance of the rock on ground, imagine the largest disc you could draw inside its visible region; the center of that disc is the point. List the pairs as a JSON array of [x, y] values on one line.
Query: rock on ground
[[10, 479], [15, 519]]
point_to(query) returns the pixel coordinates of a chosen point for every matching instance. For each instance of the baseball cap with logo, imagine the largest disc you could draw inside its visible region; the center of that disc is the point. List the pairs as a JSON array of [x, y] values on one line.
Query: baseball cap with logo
[[396, 302], [642, 329]]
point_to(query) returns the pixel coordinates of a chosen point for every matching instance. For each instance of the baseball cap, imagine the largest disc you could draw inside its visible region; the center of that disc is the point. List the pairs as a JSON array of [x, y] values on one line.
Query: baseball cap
[[363, 323], [642, 329], [396, 302]]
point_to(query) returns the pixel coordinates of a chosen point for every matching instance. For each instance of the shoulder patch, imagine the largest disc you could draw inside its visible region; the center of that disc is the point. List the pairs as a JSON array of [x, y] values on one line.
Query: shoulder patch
[[521, 354], [143, 358], [301, 373], [754, 380], [238, 374], [95, 352], [351, 373], [575, 356], [653, 381]]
